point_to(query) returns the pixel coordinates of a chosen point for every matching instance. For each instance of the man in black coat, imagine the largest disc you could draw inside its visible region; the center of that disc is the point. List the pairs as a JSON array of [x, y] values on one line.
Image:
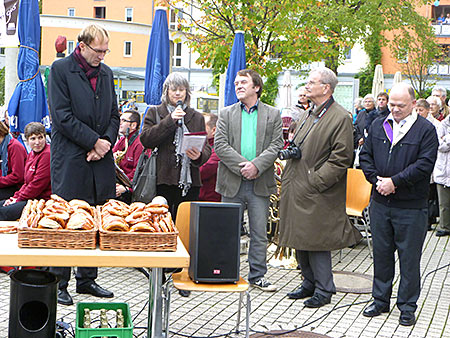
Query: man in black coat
[[85, 122], [398, 157]]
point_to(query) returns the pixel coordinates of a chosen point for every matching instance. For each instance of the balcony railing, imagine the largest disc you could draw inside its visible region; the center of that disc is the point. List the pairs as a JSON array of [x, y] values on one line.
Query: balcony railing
[[441, 30]]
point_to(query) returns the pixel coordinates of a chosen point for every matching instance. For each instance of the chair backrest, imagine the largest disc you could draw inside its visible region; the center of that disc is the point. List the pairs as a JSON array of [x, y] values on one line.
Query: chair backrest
[[183, 221], [358, 190]]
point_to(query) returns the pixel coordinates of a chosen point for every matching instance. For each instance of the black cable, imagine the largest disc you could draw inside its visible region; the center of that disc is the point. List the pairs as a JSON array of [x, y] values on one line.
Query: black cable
[[140, 311], [311, 322], [263, 332]]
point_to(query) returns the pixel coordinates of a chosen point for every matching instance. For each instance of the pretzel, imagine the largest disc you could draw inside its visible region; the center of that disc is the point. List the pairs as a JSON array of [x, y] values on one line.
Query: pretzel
[[48, 223], [32, 219], [138, 216], [167, 218], [116, 207], [114, 223], [80, 204], [57, 198], [142, 227], [60, 201], [58, 218], [156, 209], [80, 220], [137, 206], [40, 205], [163, 226]]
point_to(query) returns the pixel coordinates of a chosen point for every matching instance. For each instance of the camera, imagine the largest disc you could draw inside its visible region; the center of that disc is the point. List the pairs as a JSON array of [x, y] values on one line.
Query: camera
[[291, 152]]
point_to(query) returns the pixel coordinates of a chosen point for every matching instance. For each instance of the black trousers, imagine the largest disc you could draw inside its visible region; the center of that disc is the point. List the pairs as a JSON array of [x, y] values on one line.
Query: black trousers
[[173, 196], [8, 192], [316, 271], [83, 275], [403, 230], [11, 212]]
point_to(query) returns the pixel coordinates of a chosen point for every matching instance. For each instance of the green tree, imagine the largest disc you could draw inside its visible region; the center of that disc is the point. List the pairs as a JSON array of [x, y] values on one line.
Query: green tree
[[290, 33], [416, 52]]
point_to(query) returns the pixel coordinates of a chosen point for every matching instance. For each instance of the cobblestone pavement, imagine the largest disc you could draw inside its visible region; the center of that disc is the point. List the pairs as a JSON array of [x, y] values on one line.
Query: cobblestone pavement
[[212, 314]]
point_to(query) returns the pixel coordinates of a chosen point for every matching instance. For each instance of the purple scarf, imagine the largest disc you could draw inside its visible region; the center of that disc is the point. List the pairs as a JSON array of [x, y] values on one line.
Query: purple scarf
[[388, 130], [91, 72]]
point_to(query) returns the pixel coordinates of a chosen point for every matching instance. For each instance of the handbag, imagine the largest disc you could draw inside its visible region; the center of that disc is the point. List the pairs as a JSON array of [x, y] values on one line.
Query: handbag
[[144, 180]]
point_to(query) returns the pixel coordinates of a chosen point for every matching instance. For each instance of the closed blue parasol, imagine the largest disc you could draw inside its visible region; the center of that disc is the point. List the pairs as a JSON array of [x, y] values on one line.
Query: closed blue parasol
[[235, 63], [158, 58], [28, 102]]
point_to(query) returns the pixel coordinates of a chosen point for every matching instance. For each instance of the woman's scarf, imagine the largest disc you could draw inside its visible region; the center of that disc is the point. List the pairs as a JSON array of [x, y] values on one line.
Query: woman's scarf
[[86, 67], [185, 180], [4, 154]]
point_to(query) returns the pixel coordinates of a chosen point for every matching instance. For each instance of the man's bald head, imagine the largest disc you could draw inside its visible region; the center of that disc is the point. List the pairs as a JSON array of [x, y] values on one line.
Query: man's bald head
[[402, 101]]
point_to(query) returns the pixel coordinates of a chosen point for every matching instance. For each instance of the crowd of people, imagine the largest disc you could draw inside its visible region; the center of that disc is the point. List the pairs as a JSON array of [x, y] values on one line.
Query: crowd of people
[[403, 148]]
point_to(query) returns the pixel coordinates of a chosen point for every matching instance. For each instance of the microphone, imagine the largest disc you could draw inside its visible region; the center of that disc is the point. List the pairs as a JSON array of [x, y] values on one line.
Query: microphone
[[180, 105]]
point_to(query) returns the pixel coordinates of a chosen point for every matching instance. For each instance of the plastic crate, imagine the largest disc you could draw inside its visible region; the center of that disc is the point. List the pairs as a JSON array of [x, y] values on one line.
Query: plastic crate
[[125, 332]]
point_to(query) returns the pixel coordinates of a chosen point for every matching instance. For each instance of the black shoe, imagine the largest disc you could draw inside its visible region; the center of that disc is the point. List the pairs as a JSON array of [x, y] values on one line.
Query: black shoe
[[184, 293], [317, 300], [300, 293], [95, 290], [441, 233], [374, 310], [64, 297], [407, 318]]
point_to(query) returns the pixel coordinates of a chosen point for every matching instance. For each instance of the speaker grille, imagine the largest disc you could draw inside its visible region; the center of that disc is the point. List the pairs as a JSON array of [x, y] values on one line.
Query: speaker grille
[[217, 241]]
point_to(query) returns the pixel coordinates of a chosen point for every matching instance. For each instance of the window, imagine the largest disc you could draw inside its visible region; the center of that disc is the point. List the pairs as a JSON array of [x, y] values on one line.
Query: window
[[70, 11], [128, 14], [70, 47], [176, 62], [2, 51], [127, 48], [175, 19], [99, 12]]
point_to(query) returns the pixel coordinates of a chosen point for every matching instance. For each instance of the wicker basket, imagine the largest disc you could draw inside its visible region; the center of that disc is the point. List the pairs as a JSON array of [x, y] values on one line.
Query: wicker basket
[[137, 241], [56, 238]]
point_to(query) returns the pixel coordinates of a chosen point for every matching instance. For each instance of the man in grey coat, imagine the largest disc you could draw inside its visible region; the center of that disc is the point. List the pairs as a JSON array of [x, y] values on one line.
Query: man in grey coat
[[313, 217], [248, 138]]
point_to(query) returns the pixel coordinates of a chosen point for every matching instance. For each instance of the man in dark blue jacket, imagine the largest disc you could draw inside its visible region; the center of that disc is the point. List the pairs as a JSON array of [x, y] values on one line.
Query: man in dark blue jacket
[[398, 157]]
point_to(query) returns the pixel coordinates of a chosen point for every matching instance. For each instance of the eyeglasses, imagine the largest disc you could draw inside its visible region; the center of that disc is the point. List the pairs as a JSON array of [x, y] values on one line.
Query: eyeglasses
[[123, 120], [98, 51], [310, 83]]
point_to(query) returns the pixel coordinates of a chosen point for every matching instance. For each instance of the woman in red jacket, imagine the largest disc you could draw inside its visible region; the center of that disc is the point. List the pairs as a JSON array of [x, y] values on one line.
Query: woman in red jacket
[[13, 156], [37, 174]]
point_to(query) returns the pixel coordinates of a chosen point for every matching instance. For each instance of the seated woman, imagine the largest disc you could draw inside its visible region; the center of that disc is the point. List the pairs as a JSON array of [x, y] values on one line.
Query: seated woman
[[37, 174], [13, 156]]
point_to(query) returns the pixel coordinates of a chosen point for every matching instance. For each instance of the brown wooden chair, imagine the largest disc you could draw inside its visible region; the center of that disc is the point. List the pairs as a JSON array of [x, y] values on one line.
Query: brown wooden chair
[[357, 202], [182, 281]]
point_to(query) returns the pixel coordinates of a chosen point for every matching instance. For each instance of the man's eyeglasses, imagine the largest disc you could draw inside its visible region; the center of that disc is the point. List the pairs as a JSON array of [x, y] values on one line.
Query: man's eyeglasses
[[310, 83], [98, 51], [123, 120]]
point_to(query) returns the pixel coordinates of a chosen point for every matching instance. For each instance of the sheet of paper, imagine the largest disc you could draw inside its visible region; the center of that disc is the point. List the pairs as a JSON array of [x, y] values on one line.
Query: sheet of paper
[[193, 141]]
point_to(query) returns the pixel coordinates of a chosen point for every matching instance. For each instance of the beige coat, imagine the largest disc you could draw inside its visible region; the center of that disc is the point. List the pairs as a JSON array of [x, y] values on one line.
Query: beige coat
[[313, 189], [227, 144]]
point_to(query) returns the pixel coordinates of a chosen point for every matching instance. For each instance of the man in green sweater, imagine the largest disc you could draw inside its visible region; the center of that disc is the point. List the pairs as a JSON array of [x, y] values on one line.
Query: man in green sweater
[[248, 138]]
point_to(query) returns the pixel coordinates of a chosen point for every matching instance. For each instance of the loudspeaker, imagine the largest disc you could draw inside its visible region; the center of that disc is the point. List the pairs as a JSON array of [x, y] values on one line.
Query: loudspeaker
[[214, 242]]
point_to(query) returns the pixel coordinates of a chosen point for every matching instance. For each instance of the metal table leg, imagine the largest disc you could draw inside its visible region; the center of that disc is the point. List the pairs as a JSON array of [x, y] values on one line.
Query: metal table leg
[[154, 329]]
